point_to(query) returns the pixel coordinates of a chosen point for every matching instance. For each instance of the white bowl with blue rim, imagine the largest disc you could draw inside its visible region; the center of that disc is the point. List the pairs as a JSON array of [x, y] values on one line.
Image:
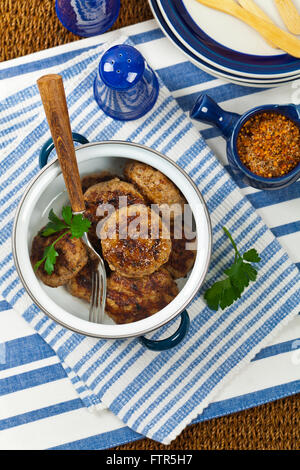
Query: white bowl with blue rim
[[48, 191], [224, 42]]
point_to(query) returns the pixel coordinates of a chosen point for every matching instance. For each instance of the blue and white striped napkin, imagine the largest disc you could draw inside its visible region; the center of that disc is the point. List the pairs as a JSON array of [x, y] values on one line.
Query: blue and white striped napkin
[[156, 394]]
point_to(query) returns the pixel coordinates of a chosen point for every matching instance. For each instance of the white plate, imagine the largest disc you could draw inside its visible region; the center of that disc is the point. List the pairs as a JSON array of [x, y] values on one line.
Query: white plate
[[214, 70], [218, 22], [233, 33]]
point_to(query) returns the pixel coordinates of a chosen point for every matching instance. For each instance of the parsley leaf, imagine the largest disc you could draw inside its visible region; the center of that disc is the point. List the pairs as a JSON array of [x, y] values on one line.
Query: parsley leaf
[[55, 225], [76, 225], [79, 225], [50, 258], [224, 293], [251, 256], [67, 214]]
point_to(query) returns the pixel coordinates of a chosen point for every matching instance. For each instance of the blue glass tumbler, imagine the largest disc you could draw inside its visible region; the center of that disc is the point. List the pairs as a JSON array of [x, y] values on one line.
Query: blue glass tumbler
[[87, 17], [125, 87]]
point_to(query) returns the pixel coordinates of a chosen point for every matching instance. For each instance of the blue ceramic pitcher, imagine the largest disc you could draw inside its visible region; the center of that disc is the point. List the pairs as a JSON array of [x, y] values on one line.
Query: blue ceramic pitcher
[[207, 110]]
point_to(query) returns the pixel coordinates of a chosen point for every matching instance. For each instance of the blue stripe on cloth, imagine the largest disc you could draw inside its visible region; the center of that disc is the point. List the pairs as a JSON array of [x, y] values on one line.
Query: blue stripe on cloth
[[4, 306], [286, 229], [42, 64], [249, 400], [125, 434], [25, 350], [28, 349], [177, 76], [61, 58], [19, 125], [261, 199], [279, 348], [42, 128], [5, 143], [219, 93], [31, 379], [102, 441], [141, 38], [32, 92], [269, 198], [16, 114], [214, 410], [41, 413]]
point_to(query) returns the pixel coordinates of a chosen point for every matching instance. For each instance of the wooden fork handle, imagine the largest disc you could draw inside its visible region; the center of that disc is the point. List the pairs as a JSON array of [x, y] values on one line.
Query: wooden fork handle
[[54, 101]]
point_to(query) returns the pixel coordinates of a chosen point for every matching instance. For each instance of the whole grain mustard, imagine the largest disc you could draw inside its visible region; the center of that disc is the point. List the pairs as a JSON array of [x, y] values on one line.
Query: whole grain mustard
[[269, 144]]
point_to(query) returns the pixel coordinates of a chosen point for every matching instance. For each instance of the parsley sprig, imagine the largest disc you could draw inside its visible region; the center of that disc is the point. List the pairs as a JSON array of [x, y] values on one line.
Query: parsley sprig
[[76, 225], [241, 272]]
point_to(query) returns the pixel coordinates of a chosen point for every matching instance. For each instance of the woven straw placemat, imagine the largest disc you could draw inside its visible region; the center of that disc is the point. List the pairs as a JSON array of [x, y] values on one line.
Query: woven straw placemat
[[28, 26]]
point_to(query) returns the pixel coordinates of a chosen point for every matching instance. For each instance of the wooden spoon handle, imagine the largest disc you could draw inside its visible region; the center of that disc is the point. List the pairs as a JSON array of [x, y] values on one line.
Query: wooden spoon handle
[[54, 100], [251, 6], [286, 41], [289, 14]]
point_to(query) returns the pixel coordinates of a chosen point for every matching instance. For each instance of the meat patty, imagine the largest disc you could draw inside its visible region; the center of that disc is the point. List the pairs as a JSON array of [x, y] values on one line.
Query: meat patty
[[130, 300], [181, 259], [153, 184], [107, 192], [72, 257], [81, 285], [94, 178], [134, 241]]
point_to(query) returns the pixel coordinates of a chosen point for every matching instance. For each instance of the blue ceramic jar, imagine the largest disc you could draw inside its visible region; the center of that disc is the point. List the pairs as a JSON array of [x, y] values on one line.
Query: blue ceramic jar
[[205, 109]]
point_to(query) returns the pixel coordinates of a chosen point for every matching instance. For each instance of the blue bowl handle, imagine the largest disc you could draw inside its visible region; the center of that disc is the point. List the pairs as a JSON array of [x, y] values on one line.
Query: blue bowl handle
[[173, 340], [207, 110], [49, 146]]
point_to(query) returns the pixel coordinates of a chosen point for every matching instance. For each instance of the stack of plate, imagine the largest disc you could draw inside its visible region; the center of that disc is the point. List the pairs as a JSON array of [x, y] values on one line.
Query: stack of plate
[[224, 46]]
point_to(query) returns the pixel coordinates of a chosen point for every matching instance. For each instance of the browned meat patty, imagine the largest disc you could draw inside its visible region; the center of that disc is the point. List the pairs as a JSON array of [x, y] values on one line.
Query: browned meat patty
[[181, 259], [134, 241], [107, 192], [130, 300], [94, 178], [153, 184], [81, 285], [72, 256]]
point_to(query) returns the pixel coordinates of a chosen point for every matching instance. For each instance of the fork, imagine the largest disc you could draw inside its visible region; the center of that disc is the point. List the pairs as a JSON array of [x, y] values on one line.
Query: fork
[[54, 100], [98, 294]]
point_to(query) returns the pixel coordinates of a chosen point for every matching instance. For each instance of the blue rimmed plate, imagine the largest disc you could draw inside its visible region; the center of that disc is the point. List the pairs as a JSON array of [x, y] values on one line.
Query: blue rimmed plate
[[225, 42], [213, 70]]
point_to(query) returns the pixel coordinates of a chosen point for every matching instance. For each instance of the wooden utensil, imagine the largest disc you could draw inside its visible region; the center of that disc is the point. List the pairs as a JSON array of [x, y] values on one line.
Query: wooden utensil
[[54, 100], [251, 6], [55, 105], [289, 14], [285, 41]]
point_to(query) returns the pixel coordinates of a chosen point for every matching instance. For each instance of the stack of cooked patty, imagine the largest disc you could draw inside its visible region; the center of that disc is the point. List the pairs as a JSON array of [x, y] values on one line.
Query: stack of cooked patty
[[142, 256]]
